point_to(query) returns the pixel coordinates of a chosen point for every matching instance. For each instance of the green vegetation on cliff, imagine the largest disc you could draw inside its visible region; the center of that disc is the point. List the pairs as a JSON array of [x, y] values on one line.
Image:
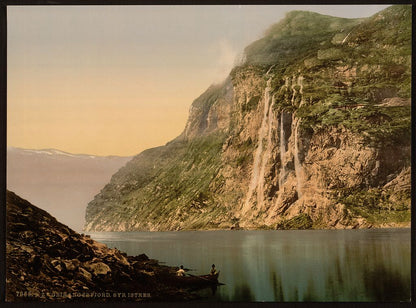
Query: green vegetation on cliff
[[169, 185], [295, 38], [300, 222], [355, 66], [252, 143]]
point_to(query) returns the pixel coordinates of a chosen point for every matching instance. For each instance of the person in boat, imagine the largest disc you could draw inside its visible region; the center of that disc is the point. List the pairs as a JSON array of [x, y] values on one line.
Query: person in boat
[[213, 270], [180, 272]]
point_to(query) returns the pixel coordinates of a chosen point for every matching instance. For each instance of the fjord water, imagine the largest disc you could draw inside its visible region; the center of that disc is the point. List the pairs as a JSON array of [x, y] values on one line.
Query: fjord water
[[313, 265]]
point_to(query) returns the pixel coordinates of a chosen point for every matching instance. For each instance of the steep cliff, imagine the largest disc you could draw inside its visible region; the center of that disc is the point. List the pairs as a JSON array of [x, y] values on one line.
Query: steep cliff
[[311, 130]]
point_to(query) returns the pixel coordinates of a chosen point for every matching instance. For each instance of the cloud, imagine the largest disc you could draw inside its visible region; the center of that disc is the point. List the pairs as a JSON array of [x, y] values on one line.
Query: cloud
[[226, 59]]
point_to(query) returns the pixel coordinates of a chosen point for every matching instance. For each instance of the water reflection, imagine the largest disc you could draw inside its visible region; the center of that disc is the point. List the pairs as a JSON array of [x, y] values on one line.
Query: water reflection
[[354, 265], [243, 293], [277, 288], [386, 289]]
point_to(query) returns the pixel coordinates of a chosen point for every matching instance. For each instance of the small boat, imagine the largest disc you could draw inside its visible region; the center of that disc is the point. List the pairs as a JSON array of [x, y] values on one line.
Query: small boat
[[193, 281], [209, 277]]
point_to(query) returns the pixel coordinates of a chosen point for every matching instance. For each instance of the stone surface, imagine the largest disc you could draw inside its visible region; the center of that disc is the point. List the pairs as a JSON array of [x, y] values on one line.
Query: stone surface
[[34, 275]]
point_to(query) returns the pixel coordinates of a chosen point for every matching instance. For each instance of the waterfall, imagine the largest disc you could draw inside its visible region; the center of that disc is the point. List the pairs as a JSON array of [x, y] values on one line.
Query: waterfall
[[298, 165], [266, 156], [257, 177], [273, 210], [300, 83], [282, 173], [294, 83], [287, 82], [270, 68], [345, 39]]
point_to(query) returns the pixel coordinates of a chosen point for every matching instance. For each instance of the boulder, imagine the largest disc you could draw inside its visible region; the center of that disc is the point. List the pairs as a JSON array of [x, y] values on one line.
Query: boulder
[[99, 268], [84, 275]]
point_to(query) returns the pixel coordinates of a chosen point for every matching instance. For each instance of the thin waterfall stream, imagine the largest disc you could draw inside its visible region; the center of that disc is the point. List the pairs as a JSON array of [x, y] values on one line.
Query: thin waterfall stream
[[263, 130]]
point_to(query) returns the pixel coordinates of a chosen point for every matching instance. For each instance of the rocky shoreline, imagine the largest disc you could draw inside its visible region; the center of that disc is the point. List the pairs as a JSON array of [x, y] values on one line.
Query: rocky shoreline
[[47, 261]]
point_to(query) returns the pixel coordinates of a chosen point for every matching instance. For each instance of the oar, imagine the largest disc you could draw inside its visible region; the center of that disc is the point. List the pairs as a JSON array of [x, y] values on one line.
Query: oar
[[213, 282]]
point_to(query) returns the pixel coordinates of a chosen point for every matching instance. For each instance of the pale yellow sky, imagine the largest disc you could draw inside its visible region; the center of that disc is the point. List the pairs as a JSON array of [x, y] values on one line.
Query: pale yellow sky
[[114, 80], [95, 113]]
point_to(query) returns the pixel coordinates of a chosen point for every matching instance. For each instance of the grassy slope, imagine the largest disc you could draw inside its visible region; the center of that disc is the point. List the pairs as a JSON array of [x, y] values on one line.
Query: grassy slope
[[172, 182]]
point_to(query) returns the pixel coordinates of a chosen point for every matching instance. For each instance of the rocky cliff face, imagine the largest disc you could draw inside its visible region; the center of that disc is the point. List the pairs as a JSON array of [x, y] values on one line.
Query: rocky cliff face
[[47, 261], [311, 131]]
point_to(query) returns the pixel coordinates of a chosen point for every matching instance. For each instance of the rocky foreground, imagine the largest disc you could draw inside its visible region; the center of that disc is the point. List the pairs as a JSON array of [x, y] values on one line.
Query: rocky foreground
[[47, 261]]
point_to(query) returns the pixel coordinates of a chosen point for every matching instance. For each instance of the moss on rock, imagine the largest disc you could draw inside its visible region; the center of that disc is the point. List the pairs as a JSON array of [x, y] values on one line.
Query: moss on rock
[[301, 222]]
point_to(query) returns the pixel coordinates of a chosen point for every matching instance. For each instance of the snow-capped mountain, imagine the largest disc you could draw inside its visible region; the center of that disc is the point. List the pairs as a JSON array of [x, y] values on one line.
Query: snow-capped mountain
[[59, 182]]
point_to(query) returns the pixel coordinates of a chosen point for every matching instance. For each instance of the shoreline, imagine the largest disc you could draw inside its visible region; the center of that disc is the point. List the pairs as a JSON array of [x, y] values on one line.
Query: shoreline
[[49, 262], [389, 226]]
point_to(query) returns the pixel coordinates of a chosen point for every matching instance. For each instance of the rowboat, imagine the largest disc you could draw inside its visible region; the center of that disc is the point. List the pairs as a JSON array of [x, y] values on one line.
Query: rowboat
[[192, 281], [210, 278]]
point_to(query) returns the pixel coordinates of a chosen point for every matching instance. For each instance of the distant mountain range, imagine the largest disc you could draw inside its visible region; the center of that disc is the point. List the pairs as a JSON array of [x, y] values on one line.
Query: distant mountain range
[[59, 182]]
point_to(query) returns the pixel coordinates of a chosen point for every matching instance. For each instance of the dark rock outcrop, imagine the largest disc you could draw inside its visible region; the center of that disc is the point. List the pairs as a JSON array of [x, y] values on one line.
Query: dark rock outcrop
[[47, 261]]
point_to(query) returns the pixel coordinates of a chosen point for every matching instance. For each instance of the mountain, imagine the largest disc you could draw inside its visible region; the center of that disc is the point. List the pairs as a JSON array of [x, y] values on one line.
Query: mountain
[[49, 262], [311, 130], [59, 182]]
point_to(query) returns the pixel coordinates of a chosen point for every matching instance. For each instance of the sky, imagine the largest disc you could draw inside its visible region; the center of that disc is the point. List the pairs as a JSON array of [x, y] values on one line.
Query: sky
[[116, 80]]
